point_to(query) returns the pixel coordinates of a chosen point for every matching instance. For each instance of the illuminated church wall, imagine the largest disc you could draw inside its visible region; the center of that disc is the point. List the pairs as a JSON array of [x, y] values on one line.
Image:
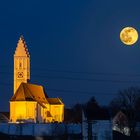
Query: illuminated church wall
[[21, 64], [57, 112], [29, 102], [22, 110], [33, 112]]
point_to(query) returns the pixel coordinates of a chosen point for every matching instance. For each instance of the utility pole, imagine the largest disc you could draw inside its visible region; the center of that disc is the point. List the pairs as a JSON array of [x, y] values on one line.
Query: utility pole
[[84, 127], [89, 130]]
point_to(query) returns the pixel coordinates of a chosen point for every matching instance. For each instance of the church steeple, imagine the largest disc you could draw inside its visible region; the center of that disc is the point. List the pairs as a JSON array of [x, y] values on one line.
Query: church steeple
[[21, 64], [21, 49]]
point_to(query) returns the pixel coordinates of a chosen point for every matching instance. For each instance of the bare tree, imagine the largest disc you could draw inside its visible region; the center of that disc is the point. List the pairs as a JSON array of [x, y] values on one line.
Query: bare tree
[[128, 101]]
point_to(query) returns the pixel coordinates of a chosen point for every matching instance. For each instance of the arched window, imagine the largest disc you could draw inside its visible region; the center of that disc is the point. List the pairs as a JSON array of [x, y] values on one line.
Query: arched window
[[20, 65]]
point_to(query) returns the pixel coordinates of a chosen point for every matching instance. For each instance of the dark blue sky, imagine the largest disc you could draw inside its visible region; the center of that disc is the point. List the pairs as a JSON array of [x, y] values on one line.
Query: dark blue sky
[[74, 45]]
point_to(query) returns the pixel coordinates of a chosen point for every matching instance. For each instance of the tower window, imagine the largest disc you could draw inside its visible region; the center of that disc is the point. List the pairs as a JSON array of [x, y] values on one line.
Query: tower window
[[20, 65]]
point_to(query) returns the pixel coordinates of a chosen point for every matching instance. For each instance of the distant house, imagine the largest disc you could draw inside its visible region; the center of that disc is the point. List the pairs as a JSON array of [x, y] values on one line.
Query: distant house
[[120, 123]]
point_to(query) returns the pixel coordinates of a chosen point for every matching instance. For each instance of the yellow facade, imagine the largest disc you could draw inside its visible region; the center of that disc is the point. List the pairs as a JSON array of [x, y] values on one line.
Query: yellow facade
[[31, 111], [29, 102], [57, 112], [21, 64], [53, 113], [23, 111]]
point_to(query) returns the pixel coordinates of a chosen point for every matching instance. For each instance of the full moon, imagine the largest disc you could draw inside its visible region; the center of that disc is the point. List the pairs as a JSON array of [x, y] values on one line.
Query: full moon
[[129, 35]]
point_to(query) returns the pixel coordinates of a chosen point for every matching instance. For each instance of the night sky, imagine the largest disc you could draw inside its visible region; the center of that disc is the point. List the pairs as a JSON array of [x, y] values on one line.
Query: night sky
[[74, 45]]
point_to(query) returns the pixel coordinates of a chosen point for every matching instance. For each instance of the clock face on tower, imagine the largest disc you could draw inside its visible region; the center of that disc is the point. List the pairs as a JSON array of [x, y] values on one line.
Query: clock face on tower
[[20, 75]]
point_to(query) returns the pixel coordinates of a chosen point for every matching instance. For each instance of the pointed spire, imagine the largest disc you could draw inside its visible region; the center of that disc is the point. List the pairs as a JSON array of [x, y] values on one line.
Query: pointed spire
[[21, 49], [21, 37]]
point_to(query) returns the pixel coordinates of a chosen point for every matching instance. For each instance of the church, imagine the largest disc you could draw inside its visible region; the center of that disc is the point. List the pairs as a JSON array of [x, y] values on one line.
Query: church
[[29, 102]]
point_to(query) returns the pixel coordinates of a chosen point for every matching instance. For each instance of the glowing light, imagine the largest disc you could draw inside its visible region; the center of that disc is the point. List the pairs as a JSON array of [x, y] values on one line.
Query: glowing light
[[29, 103], [129, 35]]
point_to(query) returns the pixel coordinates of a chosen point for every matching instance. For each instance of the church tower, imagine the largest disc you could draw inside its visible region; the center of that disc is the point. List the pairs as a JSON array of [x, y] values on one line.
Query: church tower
[[21, 64]]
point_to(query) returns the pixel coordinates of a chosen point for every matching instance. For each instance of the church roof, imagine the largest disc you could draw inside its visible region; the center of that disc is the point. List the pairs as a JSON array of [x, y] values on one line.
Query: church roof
[[30, 92], [120, 118], [54, 101], [21, 49]]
